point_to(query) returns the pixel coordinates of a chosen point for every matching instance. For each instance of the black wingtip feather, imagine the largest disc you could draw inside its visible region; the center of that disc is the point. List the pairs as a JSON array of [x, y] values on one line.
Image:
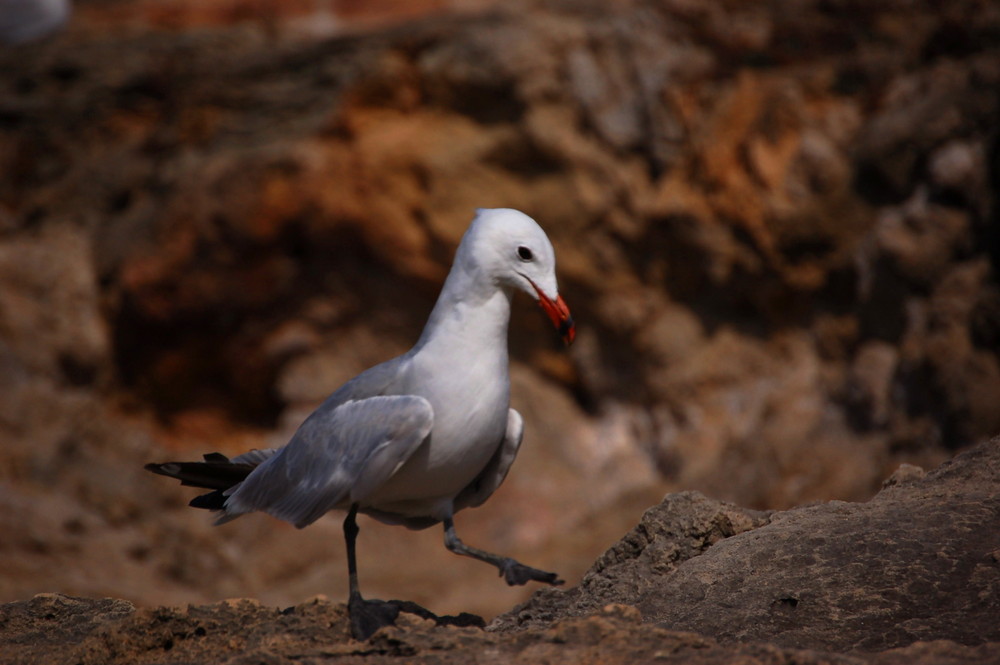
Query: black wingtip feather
[[215, 473], [168, 469], [212, 501]]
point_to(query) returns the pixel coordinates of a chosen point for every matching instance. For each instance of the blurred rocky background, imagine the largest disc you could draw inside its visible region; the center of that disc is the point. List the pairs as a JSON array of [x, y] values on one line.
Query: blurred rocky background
[[776, 224]]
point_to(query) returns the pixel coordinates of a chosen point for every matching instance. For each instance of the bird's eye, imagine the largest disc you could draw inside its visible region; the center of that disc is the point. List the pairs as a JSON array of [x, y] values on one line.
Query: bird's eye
[[524, 253]]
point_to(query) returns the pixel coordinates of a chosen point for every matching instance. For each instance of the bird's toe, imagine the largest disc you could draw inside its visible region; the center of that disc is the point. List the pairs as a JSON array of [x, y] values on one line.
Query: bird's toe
[[367, 616], [516, 573]]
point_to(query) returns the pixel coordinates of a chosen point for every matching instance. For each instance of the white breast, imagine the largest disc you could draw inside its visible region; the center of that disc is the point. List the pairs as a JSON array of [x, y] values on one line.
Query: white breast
[[470, 418]]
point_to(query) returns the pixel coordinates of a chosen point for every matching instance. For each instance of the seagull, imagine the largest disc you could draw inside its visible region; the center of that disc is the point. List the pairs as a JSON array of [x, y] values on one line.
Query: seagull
[[416, 439]]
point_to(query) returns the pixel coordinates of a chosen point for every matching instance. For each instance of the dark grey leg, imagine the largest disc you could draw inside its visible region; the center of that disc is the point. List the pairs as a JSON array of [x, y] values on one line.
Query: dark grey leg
[[351, 531], [366, 616], [511, 570]]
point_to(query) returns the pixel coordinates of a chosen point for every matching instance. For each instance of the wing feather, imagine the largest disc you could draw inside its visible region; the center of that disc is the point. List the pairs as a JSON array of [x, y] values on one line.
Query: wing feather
[[493, 475], [344, 451], [255, 456]]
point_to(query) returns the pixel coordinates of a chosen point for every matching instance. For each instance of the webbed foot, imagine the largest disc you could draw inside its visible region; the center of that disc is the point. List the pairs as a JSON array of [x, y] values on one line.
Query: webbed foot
[[367, 616], [516, 573]]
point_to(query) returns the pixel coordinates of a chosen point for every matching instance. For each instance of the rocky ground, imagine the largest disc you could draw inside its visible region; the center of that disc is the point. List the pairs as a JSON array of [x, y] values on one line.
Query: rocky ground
[[776, 224], [912, 576]]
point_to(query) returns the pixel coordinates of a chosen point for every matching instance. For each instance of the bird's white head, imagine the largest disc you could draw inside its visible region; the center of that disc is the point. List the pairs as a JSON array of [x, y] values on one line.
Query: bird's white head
[[512, 250]]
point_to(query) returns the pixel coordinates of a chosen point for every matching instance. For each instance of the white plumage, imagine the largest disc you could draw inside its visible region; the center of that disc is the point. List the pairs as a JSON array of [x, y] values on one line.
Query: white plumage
[[417, 438]]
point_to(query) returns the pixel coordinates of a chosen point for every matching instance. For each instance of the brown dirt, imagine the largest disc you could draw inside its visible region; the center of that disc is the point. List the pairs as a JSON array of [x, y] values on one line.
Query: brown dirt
[[911, 576]]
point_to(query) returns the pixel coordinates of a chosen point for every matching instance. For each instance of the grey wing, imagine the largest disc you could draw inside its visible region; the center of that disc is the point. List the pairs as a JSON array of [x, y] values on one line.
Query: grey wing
[[491, 477], [256, 456], [371, 383], [340, 452], [382, 379]]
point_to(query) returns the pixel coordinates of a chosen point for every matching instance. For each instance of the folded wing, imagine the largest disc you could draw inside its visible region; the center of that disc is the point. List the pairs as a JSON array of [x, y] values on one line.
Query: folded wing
[[344, 452], [491, 477]]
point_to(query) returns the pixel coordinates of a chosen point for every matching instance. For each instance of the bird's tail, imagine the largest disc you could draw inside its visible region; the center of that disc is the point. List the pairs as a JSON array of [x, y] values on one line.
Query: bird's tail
[[217, 473]]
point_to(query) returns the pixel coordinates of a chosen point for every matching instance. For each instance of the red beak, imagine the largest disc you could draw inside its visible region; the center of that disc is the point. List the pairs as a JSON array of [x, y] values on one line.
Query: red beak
[[559, 314]]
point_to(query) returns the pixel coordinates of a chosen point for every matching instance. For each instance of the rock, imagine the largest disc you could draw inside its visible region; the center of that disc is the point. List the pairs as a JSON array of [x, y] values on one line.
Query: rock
[[681, 527], [50, 624], [904, 474], [912, 576], [114, 633], [917, 563]]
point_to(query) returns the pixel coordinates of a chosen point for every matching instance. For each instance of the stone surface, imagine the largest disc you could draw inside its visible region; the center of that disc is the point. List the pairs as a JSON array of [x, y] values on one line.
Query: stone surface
[[918, 562], [912, 576], [682, 526]]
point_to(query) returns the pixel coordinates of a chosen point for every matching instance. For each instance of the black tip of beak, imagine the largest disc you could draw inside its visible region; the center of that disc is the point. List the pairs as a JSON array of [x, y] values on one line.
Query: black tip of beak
[[567, 330]]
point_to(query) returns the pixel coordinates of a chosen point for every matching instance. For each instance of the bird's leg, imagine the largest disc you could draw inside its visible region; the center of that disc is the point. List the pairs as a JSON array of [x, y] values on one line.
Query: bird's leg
[[366, 616], [511, 570]]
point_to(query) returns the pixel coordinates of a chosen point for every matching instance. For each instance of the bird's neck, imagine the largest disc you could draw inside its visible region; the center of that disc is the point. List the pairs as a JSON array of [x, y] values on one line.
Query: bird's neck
[[470, 315]]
